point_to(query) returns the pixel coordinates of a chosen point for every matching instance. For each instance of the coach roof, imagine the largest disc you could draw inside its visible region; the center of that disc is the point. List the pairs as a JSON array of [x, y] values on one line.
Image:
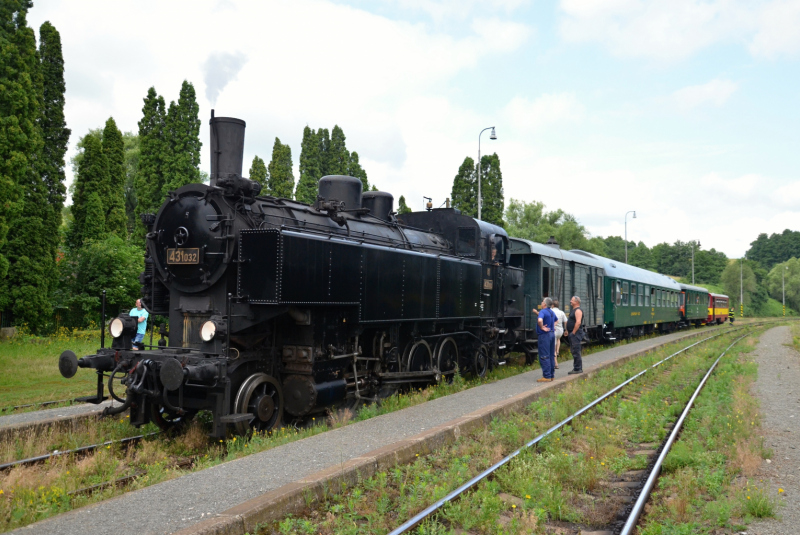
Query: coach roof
[[520, 246], [693, 288], [621, 270]]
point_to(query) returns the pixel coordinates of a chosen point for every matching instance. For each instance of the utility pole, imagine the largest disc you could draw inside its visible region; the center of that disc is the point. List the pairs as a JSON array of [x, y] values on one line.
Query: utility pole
[[741, 288], [783, 284], [626, 232], [491, 136], [692, 262]]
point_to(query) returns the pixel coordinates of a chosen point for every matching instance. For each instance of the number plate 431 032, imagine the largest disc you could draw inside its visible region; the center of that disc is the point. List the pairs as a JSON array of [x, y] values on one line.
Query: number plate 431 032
[[183, 256]]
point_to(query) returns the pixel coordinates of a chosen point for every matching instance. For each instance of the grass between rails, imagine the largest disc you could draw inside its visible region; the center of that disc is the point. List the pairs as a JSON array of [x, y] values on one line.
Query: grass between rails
[[707, 481], [562, 482], [35, 493]]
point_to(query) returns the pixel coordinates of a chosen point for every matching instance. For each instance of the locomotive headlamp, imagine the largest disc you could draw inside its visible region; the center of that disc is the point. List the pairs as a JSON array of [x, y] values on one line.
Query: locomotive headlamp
[[213, 328], [123, 324]]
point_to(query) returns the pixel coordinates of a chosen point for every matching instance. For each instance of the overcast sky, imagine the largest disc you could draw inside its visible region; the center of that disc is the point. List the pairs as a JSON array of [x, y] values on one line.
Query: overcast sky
[[683, 110]]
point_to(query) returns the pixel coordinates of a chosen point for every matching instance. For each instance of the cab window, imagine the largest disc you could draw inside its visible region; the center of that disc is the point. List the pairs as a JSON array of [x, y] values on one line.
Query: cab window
[[467, 242]]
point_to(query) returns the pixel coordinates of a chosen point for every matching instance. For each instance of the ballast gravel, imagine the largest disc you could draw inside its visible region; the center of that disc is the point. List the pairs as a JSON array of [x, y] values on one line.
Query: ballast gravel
[[173, 505], [778, 390]]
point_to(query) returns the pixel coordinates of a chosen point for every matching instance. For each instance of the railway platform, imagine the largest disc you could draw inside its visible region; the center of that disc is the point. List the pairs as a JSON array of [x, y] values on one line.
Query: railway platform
[[231, 497]]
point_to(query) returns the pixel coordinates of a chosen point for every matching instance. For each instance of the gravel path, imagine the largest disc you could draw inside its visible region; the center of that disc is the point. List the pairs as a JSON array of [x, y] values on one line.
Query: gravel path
[[778, 389]]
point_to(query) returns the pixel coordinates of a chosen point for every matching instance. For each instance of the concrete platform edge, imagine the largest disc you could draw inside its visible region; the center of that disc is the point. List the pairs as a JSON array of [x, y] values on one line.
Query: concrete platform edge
[[294, 497]]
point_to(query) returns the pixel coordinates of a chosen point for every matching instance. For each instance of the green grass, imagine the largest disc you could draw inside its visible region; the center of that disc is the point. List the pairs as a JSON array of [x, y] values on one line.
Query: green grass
[[29, 368], [552, 483]]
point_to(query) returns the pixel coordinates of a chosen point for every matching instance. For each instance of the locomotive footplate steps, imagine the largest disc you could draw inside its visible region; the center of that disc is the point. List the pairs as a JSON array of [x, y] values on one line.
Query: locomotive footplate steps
[[239, 493]]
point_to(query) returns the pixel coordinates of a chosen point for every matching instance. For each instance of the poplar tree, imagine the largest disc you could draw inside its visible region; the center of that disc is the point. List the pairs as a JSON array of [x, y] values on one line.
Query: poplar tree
[[337, 157], [258, 172], [354, 169], [281, 179], [26, 260], [464, 193], [182, 136], [402, 207], [92, 179], [132, 152], [492, 190], [310, 172], [324, 143], [113, 199], [55, 134], [148, 182]]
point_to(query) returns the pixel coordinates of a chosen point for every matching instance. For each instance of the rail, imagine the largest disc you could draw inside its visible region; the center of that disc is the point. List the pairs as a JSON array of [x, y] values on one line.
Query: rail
[[425, 513]]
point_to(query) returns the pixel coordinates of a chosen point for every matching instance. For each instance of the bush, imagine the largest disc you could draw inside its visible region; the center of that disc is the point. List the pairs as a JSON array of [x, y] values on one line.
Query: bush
[[113, 265]]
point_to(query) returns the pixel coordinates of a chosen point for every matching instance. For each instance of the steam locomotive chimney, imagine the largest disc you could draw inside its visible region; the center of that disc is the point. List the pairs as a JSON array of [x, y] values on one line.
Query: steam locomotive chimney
[[227, 147]]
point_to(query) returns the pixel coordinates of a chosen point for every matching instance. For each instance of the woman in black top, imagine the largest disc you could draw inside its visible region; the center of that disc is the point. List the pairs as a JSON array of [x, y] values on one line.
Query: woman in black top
[[576, 333]]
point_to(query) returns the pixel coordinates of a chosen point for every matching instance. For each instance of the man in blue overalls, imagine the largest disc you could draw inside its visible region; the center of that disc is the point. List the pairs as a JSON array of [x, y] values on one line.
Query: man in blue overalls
[[546, 337]]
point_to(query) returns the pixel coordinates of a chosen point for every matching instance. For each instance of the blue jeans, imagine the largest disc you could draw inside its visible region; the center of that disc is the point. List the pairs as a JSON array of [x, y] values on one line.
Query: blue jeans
[[139, 338], [546, 349]]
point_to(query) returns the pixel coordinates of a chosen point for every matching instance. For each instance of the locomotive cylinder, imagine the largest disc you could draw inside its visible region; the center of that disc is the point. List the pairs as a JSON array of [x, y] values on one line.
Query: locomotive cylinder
[[302, 394]]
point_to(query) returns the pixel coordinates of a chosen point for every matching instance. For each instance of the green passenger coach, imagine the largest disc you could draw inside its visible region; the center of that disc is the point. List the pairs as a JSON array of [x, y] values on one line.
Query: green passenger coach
[[637, 301], [693, 305]]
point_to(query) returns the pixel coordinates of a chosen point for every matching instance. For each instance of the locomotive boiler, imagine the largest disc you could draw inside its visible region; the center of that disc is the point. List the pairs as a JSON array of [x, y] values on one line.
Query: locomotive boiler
[[280, 309]]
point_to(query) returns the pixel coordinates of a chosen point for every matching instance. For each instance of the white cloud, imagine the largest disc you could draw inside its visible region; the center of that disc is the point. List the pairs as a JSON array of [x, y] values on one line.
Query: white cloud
[[653, 28], [546, 110], [440, 10], [778, 30], [716, 93]]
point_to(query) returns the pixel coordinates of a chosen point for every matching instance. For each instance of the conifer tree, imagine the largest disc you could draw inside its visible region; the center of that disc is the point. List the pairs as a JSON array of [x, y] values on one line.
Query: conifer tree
[[94, 227], [402, 207], [324, 143], [492, 190], [55, 134], [26, 253], [338, 159], [258, 172], [19, 110], [113, 199], [281, 178], [354, 169], [464, 194], [152, 156], [310, 173], [131, 146], [182, 137], [92, 179]]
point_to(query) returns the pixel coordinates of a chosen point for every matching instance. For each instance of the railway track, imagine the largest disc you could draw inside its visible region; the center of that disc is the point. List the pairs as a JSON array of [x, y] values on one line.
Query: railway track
[[83, 450], [647, 483]]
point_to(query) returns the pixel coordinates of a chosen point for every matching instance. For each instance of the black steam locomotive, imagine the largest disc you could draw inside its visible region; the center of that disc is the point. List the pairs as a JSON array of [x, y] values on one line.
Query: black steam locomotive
[[277, 307]]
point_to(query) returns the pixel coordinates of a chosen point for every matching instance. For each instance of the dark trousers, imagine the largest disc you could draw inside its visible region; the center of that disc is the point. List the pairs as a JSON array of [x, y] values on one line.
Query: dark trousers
[[546, 342], [575, 348]]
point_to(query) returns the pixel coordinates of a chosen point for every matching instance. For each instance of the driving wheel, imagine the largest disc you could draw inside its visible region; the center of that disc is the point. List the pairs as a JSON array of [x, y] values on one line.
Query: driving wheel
[[447, 356], [261, 396], [480, 362]]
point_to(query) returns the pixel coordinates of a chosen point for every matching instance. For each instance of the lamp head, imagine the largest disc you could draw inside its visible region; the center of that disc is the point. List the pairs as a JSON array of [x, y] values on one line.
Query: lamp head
[[493, 135], [634, 214]]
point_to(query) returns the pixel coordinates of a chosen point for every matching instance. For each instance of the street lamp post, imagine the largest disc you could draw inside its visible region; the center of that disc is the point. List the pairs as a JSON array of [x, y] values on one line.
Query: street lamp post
[[741, 288], [626, 232], [491, 136], [783, 284], [692, 262]]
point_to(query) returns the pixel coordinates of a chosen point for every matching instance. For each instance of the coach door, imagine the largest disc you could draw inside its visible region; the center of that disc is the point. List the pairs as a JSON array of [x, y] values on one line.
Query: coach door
[[492, 286]]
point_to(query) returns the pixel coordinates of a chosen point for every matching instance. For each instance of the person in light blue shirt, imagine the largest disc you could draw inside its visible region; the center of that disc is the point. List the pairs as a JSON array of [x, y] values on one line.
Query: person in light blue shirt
[[141, 314]]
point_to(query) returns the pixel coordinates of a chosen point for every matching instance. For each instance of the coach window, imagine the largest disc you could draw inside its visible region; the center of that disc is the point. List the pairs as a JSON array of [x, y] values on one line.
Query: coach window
[[599, 287], [658, 297], [633, 294], [647, 295], [617, 293], [467, 241], [641, 294], [624, 294]]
